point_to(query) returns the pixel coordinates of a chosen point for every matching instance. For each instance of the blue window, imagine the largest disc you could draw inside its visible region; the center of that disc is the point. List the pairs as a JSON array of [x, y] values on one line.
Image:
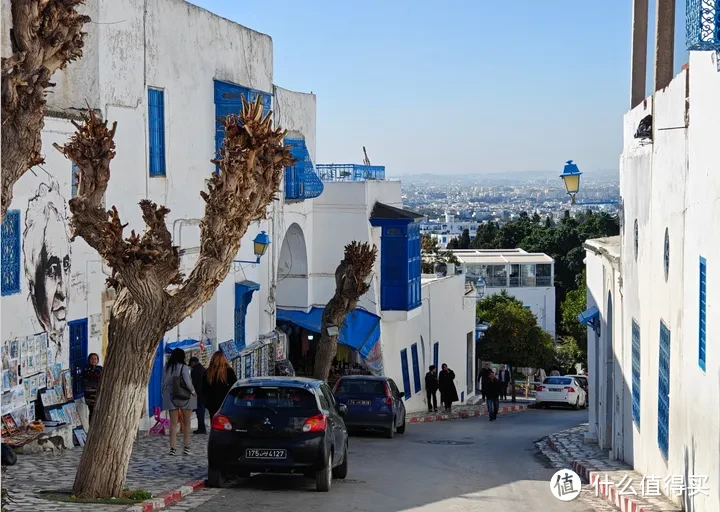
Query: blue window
[[664, 391], [405, 373], [400, 287], [74, 180], [243, 296], [78, 353], [636, 373], [703, 314], [11, 253], [436, 353], [416, 367], [156, 131]]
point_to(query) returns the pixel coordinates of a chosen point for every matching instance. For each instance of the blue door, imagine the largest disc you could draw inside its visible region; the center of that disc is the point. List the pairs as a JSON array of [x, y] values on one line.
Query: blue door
[[664, 391], [155, 384], [78, 353], [243, 296]]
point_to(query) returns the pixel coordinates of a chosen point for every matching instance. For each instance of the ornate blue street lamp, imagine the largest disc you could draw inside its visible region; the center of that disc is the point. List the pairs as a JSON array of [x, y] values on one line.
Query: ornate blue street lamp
[[571, 179], [260, 245]]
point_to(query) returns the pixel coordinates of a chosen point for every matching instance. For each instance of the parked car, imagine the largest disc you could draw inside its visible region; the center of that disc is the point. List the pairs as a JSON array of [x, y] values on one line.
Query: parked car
[[561, 390], [583, 380], [373, 403], [279, 425]]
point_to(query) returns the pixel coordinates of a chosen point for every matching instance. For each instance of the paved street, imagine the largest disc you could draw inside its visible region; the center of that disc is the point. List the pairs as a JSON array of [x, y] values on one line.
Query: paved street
[[491, 467]]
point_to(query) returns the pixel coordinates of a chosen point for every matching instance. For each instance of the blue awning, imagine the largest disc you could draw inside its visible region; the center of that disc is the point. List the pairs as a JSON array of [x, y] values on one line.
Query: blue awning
[[361, 330], [184, 344], [589, 316]]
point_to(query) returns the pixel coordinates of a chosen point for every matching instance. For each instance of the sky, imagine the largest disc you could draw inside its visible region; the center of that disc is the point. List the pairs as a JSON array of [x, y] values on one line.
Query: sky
[[460, 86]]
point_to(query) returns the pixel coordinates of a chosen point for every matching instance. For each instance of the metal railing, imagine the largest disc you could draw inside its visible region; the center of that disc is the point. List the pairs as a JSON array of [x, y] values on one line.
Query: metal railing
[[350, 172]]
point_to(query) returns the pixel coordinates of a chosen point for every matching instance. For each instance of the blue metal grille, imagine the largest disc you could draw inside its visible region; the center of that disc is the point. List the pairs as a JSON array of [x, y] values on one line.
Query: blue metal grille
[[636, 373], [350, 172], [156, 129], [301, 182], [416, 367], [702, 25], [664, 391], [436, 353], [11, 253], [702, 321], [405, 373]]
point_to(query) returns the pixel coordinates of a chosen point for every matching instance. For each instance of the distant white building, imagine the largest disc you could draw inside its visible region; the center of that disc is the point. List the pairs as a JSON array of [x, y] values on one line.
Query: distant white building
[[449, 229], [529, 277]]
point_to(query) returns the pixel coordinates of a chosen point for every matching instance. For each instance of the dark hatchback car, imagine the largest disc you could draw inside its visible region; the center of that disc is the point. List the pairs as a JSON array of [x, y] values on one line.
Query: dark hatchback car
[[372, 403], [279, 425]]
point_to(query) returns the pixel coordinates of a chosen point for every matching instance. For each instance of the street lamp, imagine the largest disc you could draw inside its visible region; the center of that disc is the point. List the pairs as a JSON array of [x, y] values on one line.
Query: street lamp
[[571, 179], [260, 245]]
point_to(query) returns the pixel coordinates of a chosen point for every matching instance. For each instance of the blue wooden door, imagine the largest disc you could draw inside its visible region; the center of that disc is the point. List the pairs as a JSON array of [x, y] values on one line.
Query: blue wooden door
[[243, 296], [78, 353], [155, 384], [664, 391]]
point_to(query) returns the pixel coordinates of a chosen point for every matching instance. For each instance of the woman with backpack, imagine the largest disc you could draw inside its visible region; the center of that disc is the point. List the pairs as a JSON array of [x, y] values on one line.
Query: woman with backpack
[[219, 378], [178, 393]]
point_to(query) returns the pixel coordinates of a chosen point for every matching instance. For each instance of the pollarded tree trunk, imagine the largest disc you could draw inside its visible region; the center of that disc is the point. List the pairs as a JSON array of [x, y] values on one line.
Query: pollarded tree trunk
[[351, 278]]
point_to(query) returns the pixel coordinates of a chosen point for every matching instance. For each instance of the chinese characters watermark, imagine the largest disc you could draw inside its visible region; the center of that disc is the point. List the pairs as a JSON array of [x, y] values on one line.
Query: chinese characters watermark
[[565, 485], [653, 486]]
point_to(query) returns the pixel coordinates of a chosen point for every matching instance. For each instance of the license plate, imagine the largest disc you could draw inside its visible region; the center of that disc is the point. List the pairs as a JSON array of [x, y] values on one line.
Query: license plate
[[265, 454], [359, 402], [555, 389]]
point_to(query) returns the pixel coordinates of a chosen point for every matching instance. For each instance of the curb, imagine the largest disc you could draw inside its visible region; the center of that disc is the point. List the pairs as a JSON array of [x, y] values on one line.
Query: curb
[[168, 498], [466, 414]]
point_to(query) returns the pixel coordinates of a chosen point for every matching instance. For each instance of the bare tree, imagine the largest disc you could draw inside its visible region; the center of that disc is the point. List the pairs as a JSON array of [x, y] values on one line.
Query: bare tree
[[152, 295], [351, 283], [45, 36]]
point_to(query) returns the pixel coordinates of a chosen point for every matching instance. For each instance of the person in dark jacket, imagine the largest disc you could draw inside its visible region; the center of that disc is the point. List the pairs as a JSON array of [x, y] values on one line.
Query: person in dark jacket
[[492, 392], [484, 374], [431, 388], [503, 377], [92, 374], [446, 381], [217, 381], [197, 371]]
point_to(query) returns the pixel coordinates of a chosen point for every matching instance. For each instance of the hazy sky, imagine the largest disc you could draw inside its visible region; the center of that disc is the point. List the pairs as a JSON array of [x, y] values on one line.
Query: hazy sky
[[457, 86]]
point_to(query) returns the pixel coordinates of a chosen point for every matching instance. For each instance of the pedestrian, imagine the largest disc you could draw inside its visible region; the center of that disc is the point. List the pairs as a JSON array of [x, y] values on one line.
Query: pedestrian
[[484, 373], [197, 371], [219, 378], [179, 397], [431, 388], [504, 378], [446, 384], [92, 375], [492, 392]]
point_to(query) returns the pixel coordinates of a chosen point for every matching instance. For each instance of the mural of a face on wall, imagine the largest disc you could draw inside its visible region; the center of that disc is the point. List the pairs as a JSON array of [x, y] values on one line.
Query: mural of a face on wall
[[46, 251]]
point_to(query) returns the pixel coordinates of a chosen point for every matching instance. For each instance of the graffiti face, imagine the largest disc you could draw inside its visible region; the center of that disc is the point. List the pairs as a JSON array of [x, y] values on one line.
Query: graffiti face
[[46, 247]]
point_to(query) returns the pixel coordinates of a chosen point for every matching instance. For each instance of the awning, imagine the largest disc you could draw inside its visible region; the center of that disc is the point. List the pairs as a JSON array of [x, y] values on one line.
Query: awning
[[361, 330], [184, 344], [589, 316]]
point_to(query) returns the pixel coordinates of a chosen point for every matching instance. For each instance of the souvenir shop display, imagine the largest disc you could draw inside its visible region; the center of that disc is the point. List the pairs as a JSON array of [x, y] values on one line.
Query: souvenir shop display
[[80, 436]]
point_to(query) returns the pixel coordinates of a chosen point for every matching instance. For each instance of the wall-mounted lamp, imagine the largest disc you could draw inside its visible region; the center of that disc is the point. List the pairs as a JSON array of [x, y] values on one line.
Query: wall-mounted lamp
[[310, 337], [260, 245], [591, 318]]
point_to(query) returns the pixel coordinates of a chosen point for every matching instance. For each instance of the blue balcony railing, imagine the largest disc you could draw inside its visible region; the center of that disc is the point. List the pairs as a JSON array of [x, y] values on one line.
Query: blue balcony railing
[[350, 172], [702, 25]]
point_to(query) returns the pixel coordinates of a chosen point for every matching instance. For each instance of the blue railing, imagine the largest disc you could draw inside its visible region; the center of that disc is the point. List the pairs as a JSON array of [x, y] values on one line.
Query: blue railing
[[350, 172], [301, 181], [702, 25]]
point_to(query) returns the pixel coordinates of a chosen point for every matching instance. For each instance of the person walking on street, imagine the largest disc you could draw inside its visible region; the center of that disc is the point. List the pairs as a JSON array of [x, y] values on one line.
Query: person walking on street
[[484, 373], [446, 383], [92, 374], [197, 371], [178, 394], [504, 378], [431, 388], [493, 396], [219, 378]]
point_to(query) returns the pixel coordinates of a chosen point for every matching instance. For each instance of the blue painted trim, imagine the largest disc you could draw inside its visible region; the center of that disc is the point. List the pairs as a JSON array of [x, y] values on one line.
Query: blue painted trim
[[436, 354], [11, 253], [243, 296], [636, 373], [156, 131], [702, 320], [663, 427], [405, 373], [416, 367], [78, 334]]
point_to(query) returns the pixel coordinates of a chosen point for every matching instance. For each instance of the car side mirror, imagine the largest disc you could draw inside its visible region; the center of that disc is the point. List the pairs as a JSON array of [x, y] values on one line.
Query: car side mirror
[[342, 409], [402, 394]]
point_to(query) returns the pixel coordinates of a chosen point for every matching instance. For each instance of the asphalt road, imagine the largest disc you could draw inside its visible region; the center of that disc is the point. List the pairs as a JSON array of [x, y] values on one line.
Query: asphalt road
[[490, 467]]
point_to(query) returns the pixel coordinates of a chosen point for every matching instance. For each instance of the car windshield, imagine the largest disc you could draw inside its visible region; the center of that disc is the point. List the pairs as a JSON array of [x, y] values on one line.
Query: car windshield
[[271, 398], [361, 387], [561, 381]]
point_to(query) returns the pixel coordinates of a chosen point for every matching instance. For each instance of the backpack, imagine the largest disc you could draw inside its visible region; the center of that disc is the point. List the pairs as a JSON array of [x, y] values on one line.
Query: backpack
[[180, 391]]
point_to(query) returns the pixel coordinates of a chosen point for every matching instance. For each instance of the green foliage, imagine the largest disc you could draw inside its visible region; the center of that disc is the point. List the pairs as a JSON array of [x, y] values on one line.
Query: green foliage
[[574, 304], [567, 353], [6, 499], [432, 254], [487, 308], [138, 495]]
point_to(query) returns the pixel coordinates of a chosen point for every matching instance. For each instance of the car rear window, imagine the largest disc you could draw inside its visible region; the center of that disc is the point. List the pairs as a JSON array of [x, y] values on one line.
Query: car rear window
[[361, 387], [276, 397], [558, 381]]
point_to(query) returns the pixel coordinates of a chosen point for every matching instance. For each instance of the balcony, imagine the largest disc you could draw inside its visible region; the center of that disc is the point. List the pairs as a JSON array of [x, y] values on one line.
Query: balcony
[[350, 172], [301, 181]]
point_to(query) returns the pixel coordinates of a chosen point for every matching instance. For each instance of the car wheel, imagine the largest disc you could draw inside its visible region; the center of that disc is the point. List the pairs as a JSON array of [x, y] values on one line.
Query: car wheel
[[576, 404], [390, 433], [216, 478], [401, 428], [323, 478], [342, 470]]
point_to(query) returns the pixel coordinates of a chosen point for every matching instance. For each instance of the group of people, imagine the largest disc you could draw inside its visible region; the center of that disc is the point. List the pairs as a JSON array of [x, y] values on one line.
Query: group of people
[[444, 382], [193, 388]]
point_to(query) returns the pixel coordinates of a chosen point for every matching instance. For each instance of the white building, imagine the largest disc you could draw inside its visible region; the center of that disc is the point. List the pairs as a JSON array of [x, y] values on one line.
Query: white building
[[529, 277], [448, 229], [652, 292], [164, 73]]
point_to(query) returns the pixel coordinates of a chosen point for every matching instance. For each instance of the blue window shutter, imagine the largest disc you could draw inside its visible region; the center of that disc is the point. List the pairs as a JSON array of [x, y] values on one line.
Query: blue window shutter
[[636, 373], [11, 253], [74, 180], [405, 373], [702, 321], [416, 367], [156, 131], [436, 353], [414, 267], [663, 433], [394, 269]]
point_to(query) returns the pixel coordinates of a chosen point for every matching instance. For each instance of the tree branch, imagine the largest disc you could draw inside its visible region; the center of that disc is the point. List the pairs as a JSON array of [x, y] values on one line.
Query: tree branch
[[46, 36]]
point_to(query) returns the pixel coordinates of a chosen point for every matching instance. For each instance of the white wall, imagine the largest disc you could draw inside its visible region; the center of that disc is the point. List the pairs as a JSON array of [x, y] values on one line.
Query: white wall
[[540, 299], [451, 319]]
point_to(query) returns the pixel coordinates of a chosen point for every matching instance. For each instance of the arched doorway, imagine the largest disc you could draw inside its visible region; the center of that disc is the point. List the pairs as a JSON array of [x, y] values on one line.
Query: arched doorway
[[609, 373], [292, 270]]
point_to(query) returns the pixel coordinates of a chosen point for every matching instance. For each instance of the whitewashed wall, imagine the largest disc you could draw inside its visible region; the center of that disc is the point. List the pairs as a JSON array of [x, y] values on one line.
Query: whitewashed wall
[[541, 301]]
